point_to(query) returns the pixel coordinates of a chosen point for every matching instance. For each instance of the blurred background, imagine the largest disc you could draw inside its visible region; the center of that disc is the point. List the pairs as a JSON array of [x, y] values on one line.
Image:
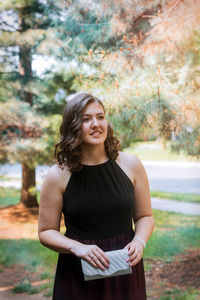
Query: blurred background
[[142, 59]]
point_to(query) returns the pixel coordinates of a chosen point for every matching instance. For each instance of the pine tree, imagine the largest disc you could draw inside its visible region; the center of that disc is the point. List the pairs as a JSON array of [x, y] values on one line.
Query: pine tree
[[24, 26], [63, 30]]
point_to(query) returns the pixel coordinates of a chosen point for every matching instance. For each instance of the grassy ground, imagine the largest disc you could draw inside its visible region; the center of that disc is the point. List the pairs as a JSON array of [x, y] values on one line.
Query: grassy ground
[[153, 150], [10, 196], [178, 294], [177, 196], [172, 235]]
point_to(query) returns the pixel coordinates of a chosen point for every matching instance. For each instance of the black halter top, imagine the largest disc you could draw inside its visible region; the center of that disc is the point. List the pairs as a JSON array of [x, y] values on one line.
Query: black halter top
[[98, 202]]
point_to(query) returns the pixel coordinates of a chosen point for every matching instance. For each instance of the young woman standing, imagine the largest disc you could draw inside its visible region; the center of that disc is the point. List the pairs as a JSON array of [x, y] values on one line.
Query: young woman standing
[[101, 192]]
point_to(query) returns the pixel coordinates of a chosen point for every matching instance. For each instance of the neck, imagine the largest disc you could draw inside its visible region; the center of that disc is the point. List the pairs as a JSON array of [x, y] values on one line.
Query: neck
[[92, 155]]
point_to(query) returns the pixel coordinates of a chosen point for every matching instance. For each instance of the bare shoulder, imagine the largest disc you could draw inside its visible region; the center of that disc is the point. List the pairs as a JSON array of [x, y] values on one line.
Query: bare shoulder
[[131, 165], [57, 177], [132, 161]]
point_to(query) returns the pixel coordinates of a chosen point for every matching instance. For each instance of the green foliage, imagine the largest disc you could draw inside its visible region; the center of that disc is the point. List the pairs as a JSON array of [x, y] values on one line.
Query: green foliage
[[25, 287], [188, 141], [55, 30], [84, 27], [30, 137], [57, 86], [131, 118]]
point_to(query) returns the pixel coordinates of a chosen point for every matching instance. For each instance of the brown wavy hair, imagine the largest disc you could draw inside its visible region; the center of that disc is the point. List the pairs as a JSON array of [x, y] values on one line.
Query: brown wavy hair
[[68, 149]]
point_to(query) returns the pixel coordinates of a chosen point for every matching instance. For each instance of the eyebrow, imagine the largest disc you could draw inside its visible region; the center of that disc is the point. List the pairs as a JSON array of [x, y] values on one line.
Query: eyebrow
[[100, 113]]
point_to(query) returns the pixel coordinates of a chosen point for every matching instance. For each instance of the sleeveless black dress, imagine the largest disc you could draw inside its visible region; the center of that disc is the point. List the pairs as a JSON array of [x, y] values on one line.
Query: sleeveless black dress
[[98, 206]]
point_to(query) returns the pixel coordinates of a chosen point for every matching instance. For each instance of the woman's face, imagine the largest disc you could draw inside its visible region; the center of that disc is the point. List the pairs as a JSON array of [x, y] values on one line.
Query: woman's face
[[94, 124]]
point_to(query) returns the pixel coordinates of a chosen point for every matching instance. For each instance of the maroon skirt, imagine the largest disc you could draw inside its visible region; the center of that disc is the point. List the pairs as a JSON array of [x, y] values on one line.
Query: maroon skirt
[[70, 285]]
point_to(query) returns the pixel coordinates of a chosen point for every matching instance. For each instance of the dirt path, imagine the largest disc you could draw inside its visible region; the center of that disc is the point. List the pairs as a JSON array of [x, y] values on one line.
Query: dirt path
[[183, 273], [11, 276], [19, 222]]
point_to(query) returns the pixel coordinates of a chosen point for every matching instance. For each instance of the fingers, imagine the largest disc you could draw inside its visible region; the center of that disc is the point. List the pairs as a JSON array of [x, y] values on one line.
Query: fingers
[[135, 255], [103, 256], [128, 246], [90, 260], [98, 263], [98, 258]]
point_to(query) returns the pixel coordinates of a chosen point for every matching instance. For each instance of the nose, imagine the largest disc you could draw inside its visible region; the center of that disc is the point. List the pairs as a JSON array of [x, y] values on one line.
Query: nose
[[95, 122]]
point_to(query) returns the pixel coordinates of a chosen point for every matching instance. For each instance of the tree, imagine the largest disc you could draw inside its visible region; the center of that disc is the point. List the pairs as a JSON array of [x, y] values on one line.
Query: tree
[[29, 28], [24, 26], [156, 61]]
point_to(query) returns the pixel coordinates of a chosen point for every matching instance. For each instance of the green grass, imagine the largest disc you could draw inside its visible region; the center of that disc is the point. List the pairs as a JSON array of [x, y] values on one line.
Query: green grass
[[7, 178], [178, 294], [28, 252], [173, 234], [35, 257], [153, 150], [9, 196], [168, 220], [166, 245], [176, 196]]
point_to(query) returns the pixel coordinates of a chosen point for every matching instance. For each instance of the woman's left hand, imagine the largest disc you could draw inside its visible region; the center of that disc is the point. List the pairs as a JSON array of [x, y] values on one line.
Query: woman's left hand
[[135, 252]]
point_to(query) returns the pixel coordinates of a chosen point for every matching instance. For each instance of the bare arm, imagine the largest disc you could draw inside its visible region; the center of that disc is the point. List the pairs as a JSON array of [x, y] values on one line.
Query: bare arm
[[50, 211], [143, 217]]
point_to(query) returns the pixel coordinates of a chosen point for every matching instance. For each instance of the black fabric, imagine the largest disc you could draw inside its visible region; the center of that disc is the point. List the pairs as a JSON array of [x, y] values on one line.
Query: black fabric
[[98, 201], [70, 284], [98, 207]]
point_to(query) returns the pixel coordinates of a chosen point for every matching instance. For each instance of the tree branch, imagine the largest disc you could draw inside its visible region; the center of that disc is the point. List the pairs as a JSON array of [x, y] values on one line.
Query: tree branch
[[11, 26], [173, 7]]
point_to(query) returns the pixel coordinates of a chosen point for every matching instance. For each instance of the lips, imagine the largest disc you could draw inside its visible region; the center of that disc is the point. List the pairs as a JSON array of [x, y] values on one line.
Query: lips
[[96, 133]]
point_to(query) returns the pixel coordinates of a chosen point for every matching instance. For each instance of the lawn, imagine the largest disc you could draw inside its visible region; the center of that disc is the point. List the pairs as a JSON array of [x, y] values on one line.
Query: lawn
[[177, 196], [173, 234], [153, 150]]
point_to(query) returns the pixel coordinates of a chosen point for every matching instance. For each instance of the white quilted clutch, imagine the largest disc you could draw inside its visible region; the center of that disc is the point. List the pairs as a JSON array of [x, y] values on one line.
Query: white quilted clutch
[[117, 266]]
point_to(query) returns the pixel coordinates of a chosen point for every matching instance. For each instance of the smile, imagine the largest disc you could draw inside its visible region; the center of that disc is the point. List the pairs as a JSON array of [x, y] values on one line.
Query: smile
[[95, 133]]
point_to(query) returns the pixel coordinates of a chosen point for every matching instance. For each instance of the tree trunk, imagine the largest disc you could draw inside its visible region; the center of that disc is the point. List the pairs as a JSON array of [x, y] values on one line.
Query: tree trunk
[[28, 191]]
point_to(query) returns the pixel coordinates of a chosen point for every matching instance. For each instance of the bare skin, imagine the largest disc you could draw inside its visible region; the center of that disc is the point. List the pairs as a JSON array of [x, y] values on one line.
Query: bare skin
[[93, 152]]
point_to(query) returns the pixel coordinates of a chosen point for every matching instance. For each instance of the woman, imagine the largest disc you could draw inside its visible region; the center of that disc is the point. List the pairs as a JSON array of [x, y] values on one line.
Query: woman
[[100, 191]]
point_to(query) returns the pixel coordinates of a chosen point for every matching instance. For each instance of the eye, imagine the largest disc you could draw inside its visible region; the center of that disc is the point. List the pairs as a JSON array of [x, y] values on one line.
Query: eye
[[101, 117], [84, 120]]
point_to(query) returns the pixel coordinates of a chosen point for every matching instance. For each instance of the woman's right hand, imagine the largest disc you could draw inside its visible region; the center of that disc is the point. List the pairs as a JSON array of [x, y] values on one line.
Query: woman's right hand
[[92, 254]]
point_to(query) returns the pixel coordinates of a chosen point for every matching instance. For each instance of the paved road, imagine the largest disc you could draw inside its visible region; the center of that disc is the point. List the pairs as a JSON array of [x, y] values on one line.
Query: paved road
[[176, 206], [175, 177]]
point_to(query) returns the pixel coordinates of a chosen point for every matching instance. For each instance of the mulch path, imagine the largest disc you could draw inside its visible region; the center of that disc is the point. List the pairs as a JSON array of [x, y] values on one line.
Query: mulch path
[[16, 222]]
